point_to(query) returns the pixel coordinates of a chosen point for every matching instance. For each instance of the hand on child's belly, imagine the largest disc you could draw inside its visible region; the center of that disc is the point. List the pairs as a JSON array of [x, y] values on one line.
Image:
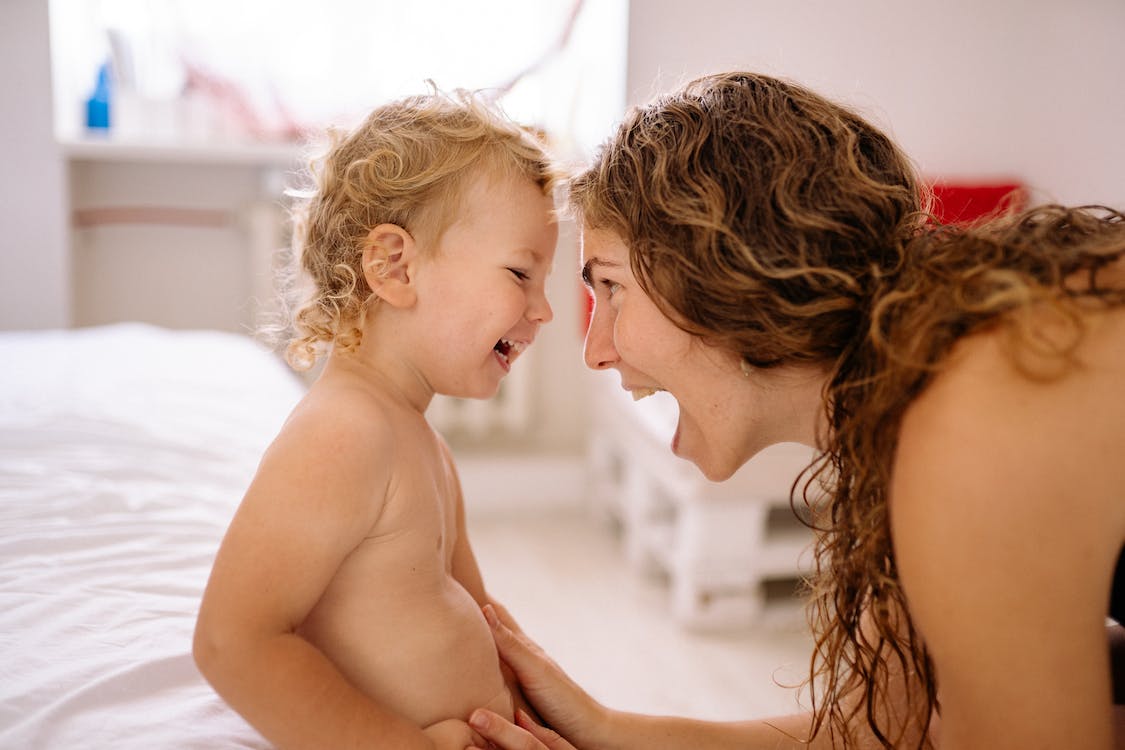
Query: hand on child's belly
[[422, 648]]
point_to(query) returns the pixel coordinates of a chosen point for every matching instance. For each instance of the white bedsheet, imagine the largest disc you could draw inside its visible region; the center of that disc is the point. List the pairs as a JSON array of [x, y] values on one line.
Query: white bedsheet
[[123, 453]]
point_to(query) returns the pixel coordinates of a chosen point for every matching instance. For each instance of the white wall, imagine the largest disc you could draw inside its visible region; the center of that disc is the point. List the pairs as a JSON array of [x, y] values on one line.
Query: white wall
[[34, 259], [178, 276], [972, 89], [1006, 88]]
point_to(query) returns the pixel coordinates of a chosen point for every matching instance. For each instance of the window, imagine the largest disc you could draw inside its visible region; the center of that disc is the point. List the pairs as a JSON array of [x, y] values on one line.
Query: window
[[214, 70]]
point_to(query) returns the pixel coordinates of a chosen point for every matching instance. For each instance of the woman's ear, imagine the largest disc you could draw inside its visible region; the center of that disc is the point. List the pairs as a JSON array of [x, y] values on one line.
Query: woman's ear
[[389, 255]]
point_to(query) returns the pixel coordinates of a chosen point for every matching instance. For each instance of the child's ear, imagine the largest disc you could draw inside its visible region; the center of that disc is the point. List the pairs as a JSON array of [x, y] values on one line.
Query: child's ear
[[389, 255]]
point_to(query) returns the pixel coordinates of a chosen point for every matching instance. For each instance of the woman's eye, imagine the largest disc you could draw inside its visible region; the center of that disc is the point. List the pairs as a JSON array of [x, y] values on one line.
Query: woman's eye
[[611, 287], [521, 275]]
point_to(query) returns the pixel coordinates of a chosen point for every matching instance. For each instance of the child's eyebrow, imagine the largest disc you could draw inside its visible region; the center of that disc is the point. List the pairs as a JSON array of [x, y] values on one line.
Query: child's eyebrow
[[587, 278], [535, 255]]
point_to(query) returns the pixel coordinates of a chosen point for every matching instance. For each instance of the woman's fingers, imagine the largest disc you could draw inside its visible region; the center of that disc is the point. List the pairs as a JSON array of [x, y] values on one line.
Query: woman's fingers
[[524, 657], [505, 616], [549, 737], [453, 734], [507, 736], [502, 733], [562, 704]]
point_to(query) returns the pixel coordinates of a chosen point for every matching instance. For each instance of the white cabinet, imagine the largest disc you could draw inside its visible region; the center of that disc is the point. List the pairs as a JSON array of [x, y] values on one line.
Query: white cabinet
[[181, 235]]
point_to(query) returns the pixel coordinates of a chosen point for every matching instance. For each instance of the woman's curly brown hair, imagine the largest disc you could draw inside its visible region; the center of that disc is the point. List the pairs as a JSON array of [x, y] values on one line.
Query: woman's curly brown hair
[[783, 227], [408, 164]]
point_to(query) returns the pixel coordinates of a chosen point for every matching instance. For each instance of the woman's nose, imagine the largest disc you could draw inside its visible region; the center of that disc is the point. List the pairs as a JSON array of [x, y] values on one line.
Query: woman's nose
[[599, 351]]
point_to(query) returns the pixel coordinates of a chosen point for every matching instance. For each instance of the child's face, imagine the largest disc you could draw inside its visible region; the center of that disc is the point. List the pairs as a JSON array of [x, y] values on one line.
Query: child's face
[[482, 292]]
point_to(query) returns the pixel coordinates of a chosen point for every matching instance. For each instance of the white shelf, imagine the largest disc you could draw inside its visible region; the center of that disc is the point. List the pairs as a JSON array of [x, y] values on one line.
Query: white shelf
[[249, 153]]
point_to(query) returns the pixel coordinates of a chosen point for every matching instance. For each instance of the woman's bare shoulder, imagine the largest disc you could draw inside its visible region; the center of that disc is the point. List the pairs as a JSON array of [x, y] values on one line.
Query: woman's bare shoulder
[[1007, 516], [995, 393], [984, 420], [996, 458]]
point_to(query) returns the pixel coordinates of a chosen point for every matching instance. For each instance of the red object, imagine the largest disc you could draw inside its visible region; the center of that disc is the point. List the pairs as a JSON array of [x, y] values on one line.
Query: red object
[[963, 203], [587, 307]]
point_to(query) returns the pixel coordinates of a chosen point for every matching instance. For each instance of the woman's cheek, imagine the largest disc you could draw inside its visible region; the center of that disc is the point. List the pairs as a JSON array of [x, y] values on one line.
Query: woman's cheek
[[625, 339]]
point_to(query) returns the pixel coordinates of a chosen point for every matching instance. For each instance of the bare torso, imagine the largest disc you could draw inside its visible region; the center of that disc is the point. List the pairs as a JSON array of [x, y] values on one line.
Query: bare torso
[[394, 619]]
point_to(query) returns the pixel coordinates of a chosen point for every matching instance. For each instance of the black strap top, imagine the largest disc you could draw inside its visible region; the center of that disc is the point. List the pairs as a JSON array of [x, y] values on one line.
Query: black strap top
[[1117, 593]]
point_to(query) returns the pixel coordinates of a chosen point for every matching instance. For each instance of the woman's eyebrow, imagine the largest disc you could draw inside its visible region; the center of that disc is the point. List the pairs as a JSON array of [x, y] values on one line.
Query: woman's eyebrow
[[587, 278]]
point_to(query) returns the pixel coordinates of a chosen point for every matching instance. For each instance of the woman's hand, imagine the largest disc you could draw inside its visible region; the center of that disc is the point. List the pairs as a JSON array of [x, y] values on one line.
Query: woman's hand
[[561, 703], [525, 734], [453, 734]]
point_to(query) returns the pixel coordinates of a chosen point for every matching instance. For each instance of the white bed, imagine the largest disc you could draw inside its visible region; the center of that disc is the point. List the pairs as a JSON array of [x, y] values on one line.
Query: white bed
[[123, 453]]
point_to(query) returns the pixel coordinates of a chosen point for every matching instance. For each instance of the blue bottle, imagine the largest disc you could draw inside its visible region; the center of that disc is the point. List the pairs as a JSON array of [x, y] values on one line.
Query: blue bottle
[[97, 106]]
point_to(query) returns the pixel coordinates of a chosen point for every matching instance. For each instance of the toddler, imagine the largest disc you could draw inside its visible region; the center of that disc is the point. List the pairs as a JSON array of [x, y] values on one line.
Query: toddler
[[344, 607]]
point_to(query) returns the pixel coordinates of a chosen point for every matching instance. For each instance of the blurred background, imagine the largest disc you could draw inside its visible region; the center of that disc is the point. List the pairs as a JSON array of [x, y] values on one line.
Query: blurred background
[[149, 144]]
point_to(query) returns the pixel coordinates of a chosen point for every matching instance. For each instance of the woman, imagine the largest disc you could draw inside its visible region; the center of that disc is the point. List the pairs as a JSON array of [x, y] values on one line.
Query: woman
[[761, 254]]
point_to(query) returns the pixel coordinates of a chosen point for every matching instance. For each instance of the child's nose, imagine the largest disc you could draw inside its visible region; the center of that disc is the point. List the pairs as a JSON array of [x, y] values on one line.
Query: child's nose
[[539, 311]]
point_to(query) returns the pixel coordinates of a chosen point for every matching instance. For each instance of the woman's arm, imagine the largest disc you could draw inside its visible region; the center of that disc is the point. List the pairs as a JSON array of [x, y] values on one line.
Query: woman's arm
[[642, 731], [585, 723], [581, 722]]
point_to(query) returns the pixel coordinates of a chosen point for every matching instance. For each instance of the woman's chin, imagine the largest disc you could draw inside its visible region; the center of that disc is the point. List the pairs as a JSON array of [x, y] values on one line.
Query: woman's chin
[[712, 469], [716, 473]]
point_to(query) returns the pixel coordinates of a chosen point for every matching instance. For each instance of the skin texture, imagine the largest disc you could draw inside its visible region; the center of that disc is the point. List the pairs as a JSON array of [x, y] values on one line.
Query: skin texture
[[992, 462], [343, 609]]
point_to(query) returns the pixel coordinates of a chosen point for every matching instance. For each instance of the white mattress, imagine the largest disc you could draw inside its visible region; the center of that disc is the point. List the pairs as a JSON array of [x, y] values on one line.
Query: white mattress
[[123, 453]]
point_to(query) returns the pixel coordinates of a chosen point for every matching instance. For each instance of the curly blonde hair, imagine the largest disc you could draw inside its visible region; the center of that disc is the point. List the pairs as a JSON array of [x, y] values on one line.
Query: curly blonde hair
[[770, 221], [408, 163]]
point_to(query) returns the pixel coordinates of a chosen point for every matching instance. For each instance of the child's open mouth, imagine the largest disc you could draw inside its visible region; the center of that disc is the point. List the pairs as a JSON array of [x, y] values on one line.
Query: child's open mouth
[[507, 350]]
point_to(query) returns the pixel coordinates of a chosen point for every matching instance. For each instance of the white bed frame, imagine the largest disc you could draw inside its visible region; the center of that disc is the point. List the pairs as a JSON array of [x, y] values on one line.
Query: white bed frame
[[734, 552]]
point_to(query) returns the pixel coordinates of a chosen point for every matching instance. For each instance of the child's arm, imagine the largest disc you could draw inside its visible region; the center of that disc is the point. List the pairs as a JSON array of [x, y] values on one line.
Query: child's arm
[[317, 493]]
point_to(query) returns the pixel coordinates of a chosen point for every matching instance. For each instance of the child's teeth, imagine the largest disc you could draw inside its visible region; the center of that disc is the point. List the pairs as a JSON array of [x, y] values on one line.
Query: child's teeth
[[639, 393]]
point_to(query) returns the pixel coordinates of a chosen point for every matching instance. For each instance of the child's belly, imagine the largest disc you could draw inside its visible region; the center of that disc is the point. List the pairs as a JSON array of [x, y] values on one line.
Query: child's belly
[[423, 650]]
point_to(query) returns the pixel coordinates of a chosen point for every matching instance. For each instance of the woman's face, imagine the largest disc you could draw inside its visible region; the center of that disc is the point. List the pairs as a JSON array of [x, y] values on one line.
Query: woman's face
[[726, 416]]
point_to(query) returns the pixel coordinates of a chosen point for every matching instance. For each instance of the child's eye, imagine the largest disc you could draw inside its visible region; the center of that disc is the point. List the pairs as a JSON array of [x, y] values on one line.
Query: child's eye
[[521, 275], [611, 287]]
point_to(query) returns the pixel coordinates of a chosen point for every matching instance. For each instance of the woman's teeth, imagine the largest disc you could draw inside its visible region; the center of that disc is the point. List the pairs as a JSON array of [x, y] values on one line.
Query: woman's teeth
[[639, 393]]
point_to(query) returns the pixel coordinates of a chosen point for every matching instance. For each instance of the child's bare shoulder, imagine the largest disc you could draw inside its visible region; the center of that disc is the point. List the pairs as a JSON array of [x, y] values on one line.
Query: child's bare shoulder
[[342, 422]]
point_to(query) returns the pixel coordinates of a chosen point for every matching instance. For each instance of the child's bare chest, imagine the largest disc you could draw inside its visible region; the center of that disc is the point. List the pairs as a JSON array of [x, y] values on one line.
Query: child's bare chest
[[394, 618], [408, 552]]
